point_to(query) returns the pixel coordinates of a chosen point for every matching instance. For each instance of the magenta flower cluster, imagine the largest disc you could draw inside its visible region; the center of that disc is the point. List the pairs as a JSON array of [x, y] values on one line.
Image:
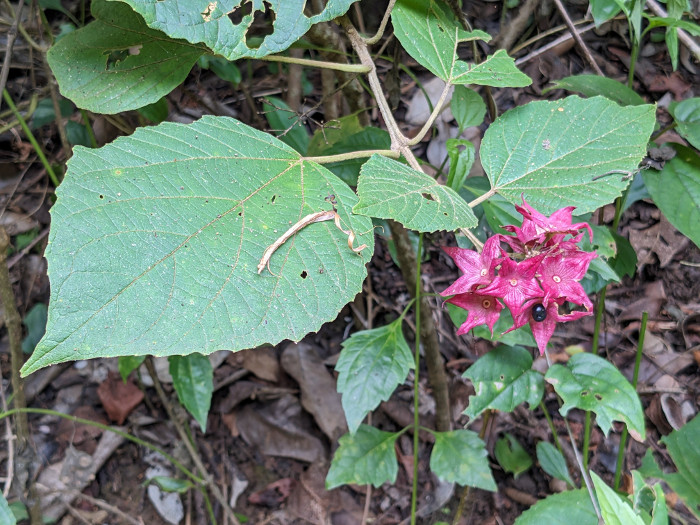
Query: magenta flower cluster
[[539, 274]]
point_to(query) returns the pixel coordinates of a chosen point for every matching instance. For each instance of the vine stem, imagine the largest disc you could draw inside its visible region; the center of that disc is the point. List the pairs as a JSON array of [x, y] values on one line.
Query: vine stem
[[322, 64], [382, 26], [635, 378], [327, 159], [416, 390]]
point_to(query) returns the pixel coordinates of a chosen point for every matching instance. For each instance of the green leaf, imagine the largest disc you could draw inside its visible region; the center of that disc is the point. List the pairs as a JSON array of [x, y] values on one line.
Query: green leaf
[[365, 457], [156, 112], [687, 117], [286, 124], [468, 108], [224, 26], [366, 139], [193, 379], [625, 262], [594, 85], [684, 448], [676, 191], [603, 10], [6, 515], [553, 462], [614, 509], [551, 151], [222, 68], [168, 484], [44, 113], [572, 507], [503, 378], [35, 321], [335, 131], [591, 383], [129, 363], [77, 134], [461, 161], [116, 63], [156, 239], [430, 34], [521, 336], [599, 274], [511, 455], [390, 190], [371, 365], [460, 456]]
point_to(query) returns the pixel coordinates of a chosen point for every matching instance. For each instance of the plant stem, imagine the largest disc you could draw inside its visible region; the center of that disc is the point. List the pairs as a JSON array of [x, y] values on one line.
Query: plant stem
[[336, 66], [586, 437], [328, 159], [382, 26], [416, 386], [25, 456], [548, 417], [635, 378], [31, 138]]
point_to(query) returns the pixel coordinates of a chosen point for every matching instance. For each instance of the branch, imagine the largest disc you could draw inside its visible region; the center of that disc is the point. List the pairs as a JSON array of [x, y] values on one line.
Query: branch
[[328, 159], [337, 66], [380, 32]]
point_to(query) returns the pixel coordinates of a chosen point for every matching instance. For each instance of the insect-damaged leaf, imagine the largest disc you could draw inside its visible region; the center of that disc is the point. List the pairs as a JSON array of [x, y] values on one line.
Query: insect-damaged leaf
[[156, 238]]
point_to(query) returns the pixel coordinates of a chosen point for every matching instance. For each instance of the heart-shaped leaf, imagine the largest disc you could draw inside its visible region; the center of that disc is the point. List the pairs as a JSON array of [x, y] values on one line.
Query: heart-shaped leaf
[[116, 63], [591, 383], [224, 26], [391, 190], [552, 151], [156, 241]]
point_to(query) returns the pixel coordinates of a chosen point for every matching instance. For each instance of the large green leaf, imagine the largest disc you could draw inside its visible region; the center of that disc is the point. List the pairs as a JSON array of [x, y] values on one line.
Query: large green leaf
[[365, 457], [116, 63], [551, 151], [595, 85], [430, 34], [226, 26], [613, 508], [193, 379], [687, 117], [511, 455], [503, 378], [684, 448], [391, 190], [371, 365], [572, 507], [591, 383], [460, 456], [676, 191], [156, 239], [6, 516]]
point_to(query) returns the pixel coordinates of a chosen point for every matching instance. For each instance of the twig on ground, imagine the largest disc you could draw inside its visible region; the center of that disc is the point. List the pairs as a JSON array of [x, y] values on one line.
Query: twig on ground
[[581, 44], [552, 44], [507, 35]]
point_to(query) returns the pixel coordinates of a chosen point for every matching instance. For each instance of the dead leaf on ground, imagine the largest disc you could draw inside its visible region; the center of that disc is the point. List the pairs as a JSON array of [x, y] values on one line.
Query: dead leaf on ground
[[652, 301], [274, 494], [660, 359], [263, 363], [319, 394], [118, 398], [661, 239], [279, 429]]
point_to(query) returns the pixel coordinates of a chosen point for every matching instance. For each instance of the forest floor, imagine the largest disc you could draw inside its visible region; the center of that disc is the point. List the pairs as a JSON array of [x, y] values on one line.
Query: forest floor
[[263, 442]]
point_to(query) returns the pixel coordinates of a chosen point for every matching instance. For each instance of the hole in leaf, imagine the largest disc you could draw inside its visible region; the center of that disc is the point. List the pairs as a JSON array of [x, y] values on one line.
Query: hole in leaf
[[304, 275], [503, 377], [585, 393], [598, 397], [102, 196], [272, 200], [263, 25], [239, 12], [427, 196], [206, 14]]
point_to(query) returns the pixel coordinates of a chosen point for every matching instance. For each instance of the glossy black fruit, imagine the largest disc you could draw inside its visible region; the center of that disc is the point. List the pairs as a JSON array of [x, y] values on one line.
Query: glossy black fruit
[[539, 312]]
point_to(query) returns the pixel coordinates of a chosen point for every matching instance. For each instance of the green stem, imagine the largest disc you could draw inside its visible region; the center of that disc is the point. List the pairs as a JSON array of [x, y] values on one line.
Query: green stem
[[31, 138], [586, 437], [88, 126], [337, 66], [327, 159], [548, 417], [416, 390], [633, 62], [635, 378], [196, 479]]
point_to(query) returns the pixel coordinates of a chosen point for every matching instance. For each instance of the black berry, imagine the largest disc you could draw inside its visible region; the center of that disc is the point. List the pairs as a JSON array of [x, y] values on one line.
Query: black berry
[[539, 312]]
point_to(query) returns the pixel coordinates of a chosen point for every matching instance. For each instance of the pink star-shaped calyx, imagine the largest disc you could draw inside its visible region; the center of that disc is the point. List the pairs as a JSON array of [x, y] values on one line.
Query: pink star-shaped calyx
[[559, 276], [483, 309], [478, 268], [515, 283], [556, 226]]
